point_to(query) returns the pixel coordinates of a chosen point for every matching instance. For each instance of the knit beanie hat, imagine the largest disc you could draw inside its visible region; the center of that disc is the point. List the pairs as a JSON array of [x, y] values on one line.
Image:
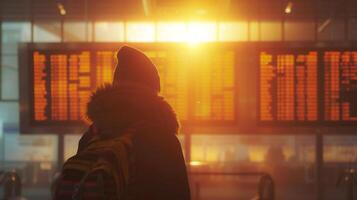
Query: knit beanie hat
[[135, 67]]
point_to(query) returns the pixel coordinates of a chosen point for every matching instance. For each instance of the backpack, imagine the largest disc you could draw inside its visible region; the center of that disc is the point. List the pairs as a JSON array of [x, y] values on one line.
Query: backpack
[[99, 171]]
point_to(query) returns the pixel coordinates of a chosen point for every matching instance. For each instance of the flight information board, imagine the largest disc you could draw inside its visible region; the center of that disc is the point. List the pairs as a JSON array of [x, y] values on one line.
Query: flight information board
[[60, 82], [310, 85], [314, 86], [288, 86], [63, 81], [340, 85]]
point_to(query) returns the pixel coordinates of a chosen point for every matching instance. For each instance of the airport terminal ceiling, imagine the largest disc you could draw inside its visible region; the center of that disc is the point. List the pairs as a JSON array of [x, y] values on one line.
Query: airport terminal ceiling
[[241, 87], [174, 9]]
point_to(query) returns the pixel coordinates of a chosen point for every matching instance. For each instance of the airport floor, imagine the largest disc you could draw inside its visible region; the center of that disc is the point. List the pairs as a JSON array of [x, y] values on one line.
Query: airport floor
[[217, 193]]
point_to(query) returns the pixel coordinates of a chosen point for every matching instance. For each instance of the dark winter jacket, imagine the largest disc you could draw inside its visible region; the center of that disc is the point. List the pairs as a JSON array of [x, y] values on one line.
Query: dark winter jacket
[[159, 172]]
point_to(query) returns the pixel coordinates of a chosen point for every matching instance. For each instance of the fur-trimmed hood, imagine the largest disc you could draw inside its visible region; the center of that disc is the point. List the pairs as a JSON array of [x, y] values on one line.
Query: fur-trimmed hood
[[116, 108]]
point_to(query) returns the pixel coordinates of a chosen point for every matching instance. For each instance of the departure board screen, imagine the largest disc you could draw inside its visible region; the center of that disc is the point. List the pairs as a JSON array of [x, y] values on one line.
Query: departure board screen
[[62, 80], [306, 85], [340, 85], [288, 89], [214, 85]]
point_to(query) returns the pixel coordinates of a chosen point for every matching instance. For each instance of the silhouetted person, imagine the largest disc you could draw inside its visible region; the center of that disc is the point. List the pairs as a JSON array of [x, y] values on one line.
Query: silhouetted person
[[132, 102]]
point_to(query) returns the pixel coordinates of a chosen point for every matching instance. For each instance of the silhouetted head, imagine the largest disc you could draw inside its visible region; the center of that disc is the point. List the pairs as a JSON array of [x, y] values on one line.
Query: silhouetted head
[[136, 68]]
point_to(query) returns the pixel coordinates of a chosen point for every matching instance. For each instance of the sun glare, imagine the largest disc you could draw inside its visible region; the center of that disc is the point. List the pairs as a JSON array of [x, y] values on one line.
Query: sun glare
[[190, 32], [196, 163], [140, 32], [171, 31], [198, 32]]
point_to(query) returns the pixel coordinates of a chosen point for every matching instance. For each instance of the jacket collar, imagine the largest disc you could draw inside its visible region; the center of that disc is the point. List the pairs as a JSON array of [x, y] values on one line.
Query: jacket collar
[[113, 108]]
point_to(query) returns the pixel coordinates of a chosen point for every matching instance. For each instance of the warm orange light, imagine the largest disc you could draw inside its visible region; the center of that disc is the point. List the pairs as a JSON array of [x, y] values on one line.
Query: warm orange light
[[233, 31], [201, 32], [196, 163], [61, 9], [192, 32], [201, 11], [109, 31], [140, 32], [257, 153], [288, 8], [171, 31]]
